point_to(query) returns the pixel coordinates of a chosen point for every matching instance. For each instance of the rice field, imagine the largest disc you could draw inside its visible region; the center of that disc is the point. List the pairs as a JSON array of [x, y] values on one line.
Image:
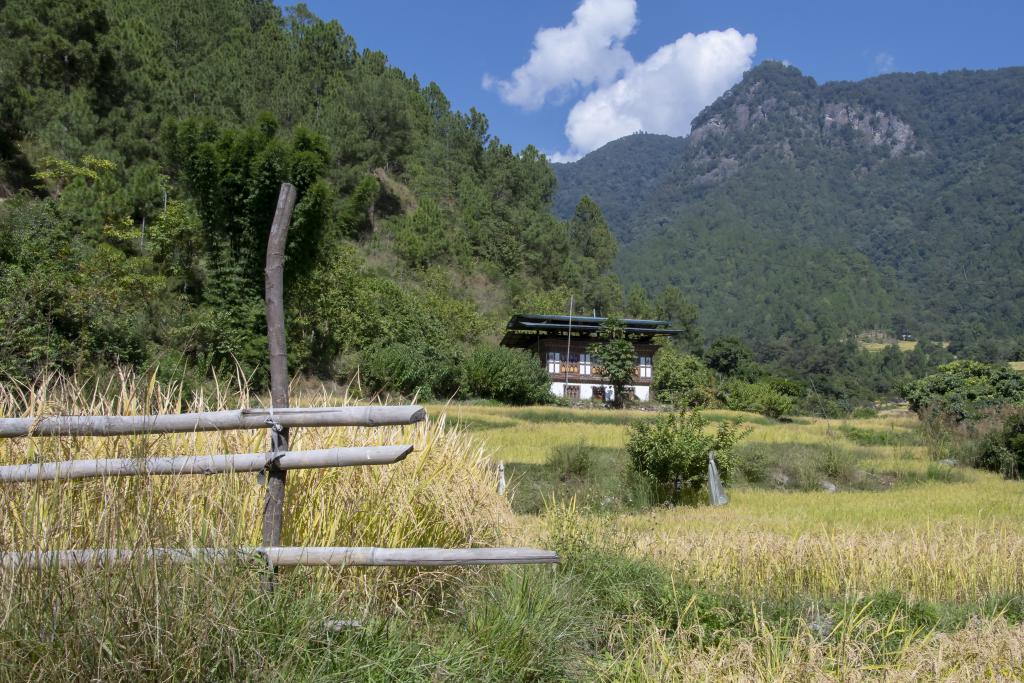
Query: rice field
[[911, 570], [930, 533], [952, 538]]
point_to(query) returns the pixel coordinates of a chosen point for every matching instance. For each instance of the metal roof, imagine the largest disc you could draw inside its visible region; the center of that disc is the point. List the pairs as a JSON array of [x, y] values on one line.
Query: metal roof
[[524, 328], [584, 319]]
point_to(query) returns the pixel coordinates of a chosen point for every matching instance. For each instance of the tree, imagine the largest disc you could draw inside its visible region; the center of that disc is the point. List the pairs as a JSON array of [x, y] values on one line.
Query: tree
[[681, 379], [964, 389], [729, 356], [673, 449], [616, 358], [638, 305], [589, 235], [671, 305]]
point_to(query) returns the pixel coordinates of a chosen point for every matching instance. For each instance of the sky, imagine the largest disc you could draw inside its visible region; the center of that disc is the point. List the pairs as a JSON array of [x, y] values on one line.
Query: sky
[[570, 75]]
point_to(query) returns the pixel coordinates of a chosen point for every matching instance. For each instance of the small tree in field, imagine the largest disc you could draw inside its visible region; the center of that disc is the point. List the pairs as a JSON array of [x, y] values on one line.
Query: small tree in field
[[616, 357], [673, 449]]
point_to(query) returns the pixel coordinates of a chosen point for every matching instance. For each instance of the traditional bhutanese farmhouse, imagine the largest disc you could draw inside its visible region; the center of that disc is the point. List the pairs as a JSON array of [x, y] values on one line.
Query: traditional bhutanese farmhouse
[[564, 345]]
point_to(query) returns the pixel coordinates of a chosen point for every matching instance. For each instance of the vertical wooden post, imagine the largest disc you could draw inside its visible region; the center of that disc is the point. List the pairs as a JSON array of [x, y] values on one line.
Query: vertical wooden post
[[273, 507]]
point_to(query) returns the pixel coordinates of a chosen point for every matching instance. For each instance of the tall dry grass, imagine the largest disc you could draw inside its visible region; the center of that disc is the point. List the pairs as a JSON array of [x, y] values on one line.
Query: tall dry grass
[[443, 495], [853, 650]]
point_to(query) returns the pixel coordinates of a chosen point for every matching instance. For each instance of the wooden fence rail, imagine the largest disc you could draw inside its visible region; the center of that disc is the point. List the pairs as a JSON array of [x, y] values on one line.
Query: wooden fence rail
[[246, 418], [288, 556], [204, 464]]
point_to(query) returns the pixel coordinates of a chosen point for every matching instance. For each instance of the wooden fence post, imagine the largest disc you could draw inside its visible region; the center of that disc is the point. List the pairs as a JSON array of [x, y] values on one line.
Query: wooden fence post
[[273, 507]]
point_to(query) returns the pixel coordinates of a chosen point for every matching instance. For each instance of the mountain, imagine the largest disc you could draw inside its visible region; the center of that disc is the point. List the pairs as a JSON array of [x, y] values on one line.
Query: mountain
[[797, 210]]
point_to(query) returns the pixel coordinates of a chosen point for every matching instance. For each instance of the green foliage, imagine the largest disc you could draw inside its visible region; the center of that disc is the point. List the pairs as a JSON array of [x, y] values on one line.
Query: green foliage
[[508, 375], [964, 389], [571, 460], [758, 397], [422, 238], [672, 449], [681, 379], [155, 139], [671, 305], [589, 236], [730, 357], [236, 175], [1003, 450], [615, 356], [412, 370]]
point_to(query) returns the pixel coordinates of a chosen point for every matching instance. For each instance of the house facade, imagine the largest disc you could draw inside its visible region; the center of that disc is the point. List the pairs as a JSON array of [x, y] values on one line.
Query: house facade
[[565, 346]]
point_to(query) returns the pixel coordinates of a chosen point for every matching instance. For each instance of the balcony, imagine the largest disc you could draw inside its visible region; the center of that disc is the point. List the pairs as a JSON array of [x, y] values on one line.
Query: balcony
[[570, 372]]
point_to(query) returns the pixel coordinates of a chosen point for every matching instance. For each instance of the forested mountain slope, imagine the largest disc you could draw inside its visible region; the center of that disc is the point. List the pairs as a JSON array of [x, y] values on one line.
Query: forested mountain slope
[[142, 146], [796, 210]]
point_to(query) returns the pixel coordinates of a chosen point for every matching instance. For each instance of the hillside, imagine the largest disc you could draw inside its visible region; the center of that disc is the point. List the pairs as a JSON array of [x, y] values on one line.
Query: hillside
[[797, 210], [142, 146]]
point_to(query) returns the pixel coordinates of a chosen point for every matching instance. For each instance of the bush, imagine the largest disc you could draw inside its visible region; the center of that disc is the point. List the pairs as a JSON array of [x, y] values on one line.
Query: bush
[[682, 379], [570, 460], [1003, 451], [409, 370], [673, 449], [758, 397], [507, 375]]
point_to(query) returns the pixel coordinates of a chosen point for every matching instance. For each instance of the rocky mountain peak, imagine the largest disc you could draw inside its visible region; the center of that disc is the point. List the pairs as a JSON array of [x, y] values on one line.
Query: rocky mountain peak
[[778, 98]]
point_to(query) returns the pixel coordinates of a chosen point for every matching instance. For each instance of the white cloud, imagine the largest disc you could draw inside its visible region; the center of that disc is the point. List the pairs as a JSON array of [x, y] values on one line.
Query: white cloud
[[586, 51], [884, 62], [563, 157], [665, 92]]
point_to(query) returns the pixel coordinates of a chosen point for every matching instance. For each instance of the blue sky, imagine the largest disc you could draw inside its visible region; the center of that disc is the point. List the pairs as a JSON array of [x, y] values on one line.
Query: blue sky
[[595, 78]]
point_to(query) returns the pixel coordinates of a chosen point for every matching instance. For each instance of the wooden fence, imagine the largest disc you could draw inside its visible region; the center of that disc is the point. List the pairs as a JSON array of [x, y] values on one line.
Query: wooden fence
[[277, 420]]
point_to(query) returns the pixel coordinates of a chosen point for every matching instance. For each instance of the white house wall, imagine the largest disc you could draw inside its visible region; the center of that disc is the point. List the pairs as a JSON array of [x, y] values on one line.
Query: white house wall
[[642, 392]]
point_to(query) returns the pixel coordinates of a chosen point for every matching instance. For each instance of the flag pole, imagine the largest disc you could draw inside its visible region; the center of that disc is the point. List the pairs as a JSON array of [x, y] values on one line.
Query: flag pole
[[568, 345]]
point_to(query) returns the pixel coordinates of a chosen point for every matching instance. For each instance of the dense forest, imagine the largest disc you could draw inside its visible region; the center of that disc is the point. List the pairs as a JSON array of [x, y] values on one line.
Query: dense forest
[[798, 216], [143, 145]]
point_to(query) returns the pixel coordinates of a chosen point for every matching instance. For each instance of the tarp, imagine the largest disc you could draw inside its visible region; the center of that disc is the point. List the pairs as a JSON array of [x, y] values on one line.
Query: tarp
[[716, 492]]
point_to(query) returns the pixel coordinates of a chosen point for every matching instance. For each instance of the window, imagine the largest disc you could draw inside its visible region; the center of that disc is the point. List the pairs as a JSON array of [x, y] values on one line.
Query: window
[[584, 363], [554, 362], [646, 365], [572, 391]]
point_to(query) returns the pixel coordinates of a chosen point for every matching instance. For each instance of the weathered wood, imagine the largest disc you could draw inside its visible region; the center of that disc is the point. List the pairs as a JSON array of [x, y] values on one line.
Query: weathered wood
[[204, 464], [246, 418], [289, 556], [273, 506]]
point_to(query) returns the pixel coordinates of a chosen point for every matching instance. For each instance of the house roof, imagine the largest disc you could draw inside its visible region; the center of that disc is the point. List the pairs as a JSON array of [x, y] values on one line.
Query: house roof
[[523, 329]]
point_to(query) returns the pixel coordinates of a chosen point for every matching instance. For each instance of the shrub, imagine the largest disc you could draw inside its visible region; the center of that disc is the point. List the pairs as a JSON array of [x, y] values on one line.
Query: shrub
[[682, 379], [963, 389], [673, 448], [773, 404], [507, 375], [570, 460], [1003, 451], [409, 370], [757, 397]]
